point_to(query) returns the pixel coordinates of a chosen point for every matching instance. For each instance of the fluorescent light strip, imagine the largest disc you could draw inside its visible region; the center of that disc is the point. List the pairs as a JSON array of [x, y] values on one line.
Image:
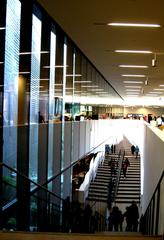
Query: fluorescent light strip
[[97, 90], [82, 81], [24, 72], [156, 92], [73, 75], [90, 86], [133, 82], [133, 86], [134, 25], [159, 89], [132, 75], [162, 85], [132, 66], [1, 62], [133, 90], [2, 28], [133, 51], [130, 95], [28, 53], [57, 66]]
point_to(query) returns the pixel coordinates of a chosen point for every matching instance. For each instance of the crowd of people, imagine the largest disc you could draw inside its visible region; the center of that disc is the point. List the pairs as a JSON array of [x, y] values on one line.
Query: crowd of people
[[79, 218], [131, 216]]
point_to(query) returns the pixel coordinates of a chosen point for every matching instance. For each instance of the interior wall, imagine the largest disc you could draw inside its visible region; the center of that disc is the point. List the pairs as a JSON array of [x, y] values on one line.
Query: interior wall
[[143, 110]]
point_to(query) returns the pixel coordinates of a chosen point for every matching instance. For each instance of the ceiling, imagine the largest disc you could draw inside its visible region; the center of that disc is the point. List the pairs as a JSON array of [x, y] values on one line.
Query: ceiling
[[85, 21]]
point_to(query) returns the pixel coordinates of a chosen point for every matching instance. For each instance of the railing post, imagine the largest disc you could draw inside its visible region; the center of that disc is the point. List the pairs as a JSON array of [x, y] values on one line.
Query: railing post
[[157, 211]]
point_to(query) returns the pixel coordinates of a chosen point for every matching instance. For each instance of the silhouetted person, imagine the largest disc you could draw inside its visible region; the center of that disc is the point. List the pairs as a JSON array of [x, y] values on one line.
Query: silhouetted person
[[112, 167], [87, 218], [134, 215], [137, 151], [41, 118], [133, 149], [125, 166], [115, 218], [66, 214], [127, 216], [110, 192]]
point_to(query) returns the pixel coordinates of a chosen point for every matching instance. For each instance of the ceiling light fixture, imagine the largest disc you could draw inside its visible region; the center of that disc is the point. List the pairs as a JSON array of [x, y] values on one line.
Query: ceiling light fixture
[[132, 75], [90, 86], [159, 89], [134, 25], [134, 82], [132, 90], [132, 66], [133, 51], [28, 53], [73, 75], [156, 92], [133, 86], [82, 81]]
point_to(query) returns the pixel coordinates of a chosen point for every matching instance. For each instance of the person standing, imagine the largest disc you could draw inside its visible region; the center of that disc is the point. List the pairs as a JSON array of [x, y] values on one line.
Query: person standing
[[132, 149], [125, 166], [134, 215], [137, 151]]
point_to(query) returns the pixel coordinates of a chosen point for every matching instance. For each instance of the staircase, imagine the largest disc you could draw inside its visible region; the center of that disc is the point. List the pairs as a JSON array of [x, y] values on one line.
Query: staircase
[[98, 190], [129, 188]]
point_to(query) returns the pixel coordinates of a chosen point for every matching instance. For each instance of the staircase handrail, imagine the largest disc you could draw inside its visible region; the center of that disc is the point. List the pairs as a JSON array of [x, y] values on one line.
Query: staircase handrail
[[149, 229], [43, 186], [121, 158], [31, 181]]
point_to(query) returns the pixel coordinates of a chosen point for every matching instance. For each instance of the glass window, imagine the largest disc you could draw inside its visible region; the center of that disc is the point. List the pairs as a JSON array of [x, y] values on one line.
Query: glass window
[[34, 97]]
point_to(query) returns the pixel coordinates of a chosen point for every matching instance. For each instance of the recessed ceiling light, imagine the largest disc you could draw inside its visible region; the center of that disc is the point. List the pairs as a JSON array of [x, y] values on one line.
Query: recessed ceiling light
[[162, 85], [2, 28], [133, 51], [133, 82], [133, 66], [82, 81], [133, 90], [133, 86], [73, 75], [90, 86], [159, 89], [134, 25], [132, 75], [28, 53], [132, 94], [156, 92]]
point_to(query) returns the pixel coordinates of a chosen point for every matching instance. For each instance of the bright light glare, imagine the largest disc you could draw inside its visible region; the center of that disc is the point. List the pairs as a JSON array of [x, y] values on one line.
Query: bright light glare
[[134, 25]]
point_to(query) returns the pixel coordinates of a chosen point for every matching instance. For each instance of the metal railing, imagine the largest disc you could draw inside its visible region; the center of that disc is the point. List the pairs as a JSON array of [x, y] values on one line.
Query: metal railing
[[121, 158], [150, 221]]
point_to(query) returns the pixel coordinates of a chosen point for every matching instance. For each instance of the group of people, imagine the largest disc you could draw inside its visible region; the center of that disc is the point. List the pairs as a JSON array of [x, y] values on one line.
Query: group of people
[[116, 218]]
